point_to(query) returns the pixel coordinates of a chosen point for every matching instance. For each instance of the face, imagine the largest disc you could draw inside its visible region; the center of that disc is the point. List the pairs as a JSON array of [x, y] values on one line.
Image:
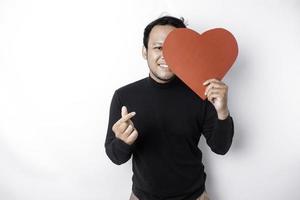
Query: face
[[159, 71]]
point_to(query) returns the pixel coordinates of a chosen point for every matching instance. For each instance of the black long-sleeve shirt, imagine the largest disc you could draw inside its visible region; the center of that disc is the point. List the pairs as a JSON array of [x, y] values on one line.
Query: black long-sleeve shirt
[[170, 118]]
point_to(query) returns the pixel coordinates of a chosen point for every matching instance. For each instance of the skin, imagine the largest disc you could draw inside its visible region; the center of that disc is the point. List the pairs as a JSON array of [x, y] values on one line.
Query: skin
[[124, 128], [154, 55], [216, 91]]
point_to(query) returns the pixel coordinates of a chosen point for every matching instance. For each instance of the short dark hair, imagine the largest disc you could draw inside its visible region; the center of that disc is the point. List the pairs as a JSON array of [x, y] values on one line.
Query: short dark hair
[[166, 20]]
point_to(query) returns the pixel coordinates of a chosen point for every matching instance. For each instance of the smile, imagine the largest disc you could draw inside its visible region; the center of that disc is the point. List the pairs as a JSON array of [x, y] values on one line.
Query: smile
[[163, 65]]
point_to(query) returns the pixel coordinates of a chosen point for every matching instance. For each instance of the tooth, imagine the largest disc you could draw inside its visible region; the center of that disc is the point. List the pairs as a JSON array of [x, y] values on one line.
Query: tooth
[[165, 66]]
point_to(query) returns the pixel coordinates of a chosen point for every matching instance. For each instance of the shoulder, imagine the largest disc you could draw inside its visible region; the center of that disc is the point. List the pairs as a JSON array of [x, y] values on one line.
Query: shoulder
[[132, 87]]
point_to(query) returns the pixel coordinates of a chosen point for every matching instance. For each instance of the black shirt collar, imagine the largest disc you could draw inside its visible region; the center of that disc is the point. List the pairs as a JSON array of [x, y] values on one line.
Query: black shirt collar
[[173, 82]]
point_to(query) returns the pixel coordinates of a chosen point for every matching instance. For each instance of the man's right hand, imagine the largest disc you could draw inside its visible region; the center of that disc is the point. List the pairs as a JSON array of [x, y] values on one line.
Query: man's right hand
[[124, 128]]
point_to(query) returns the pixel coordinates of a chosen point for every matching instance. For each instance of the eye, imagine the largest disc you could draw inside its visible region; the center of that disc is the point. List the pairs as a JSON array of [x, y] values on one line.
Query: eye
[[158, 47]]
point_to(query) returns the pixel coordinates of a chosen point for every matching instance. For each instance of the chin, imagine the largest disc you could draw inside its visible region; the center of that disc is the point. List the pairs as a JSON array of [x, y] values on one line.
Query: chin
[[162, 75], [166, 77]]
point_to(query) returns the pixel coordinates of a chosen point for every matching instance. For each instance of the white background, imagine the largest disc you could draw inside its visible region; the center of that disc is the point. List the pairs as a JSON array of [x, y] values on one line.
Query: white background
[[61, 60]]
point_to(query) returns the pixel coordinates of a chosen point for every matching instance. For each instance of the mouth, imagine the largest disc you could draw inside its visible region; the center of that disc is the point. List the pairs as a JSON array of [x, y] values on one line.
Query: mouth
[[164, 66]]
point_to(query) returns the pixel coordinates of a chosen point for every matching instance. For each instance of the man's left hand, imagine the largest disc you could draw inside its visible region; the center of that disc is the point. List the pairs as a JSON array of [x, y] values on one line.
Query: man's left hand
[[216, 92]]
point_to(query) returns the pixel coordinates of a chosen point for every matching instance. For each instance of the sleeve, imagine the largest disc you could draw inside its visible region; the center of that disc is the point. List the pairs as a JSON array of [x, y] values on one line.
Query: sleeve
[[218, 133], [118, 151]]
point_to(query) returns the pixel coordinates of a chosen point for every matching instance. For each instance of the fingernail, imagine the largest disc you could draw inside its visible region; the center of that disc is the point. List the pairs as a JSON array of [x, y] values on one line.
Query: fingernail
[[133, 113]]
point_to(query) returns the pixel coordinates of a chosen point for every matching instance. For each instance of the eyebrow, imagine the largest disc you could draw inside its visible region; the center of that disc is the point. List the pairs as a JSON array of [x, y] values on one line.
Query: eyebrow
[[157, 43]]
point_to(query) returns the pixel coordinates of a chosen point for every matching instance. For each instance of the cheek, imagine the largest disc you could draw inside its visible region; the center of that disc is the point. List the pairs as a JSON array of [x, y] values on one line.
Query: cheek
[[153, 57]]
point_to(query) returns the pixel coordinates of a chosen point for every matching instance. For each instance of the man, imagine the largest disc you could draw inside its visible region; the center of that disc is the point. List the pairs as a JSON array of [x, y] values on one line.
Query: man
[[159, 120]]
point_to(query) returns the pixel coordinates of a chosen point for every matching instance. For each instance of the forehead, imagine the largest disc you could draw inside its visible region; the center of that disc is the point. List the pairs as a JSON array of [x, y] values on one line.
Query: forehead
[[159, 33]]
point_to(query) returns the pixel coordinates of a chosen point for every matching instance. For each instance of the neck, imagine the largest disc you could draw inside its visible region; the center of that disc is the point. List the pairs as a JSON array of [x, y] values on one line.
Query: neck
[[160, 80]]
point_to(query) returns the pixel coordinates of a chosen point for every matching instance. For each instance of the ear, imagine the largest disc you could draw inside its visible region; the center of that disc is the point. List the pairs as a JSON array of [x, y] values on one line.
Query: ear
[[144, 52]]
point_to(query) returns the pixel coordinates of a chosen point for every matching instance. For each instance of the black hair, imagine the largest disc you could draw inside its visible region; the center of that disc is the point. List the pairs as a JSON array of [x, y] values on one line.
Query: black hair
[[166, 20]]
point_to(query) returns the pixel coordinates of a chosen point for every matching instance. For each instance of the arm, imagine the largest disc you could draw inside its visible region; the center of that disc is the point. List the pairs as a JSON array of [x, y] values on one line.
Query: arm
[[217, 124], [218, 132], [116, 149]]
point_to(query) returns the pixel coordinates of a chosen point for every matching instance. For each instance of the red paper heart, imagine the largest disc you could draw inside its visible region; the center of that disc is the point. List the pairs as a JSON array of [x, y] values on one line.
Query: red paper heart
[[195, 58]]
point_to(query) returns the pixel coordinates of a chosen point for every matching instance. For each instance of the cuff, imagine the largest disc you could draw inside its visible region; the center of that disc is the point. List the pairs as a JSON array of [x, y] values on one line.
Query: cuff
[[121, 145]]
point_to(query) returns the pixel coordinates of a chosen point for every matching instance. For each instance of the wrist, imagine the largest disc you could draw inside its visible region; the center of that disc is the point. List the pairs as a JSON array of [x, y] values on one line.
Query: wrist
[[223, 114]]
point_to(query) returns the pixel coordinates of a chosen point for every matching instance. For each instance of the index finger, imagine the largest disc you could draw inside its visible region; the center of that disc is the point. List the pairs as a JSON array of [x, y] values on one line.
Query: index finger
[[126, 117], [211, 80]]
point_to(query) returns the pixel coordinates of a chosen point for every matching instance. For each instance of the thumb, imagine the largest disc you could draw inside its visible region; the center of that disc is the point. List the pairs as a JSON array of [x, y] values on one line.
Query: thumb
[[124, 111]]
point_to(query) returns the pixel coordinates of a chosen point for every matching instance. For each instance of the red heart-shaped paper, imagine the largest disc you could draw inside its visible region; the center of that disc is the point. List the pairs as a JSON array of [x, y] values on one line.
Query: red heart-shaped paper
[[195, 58]]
